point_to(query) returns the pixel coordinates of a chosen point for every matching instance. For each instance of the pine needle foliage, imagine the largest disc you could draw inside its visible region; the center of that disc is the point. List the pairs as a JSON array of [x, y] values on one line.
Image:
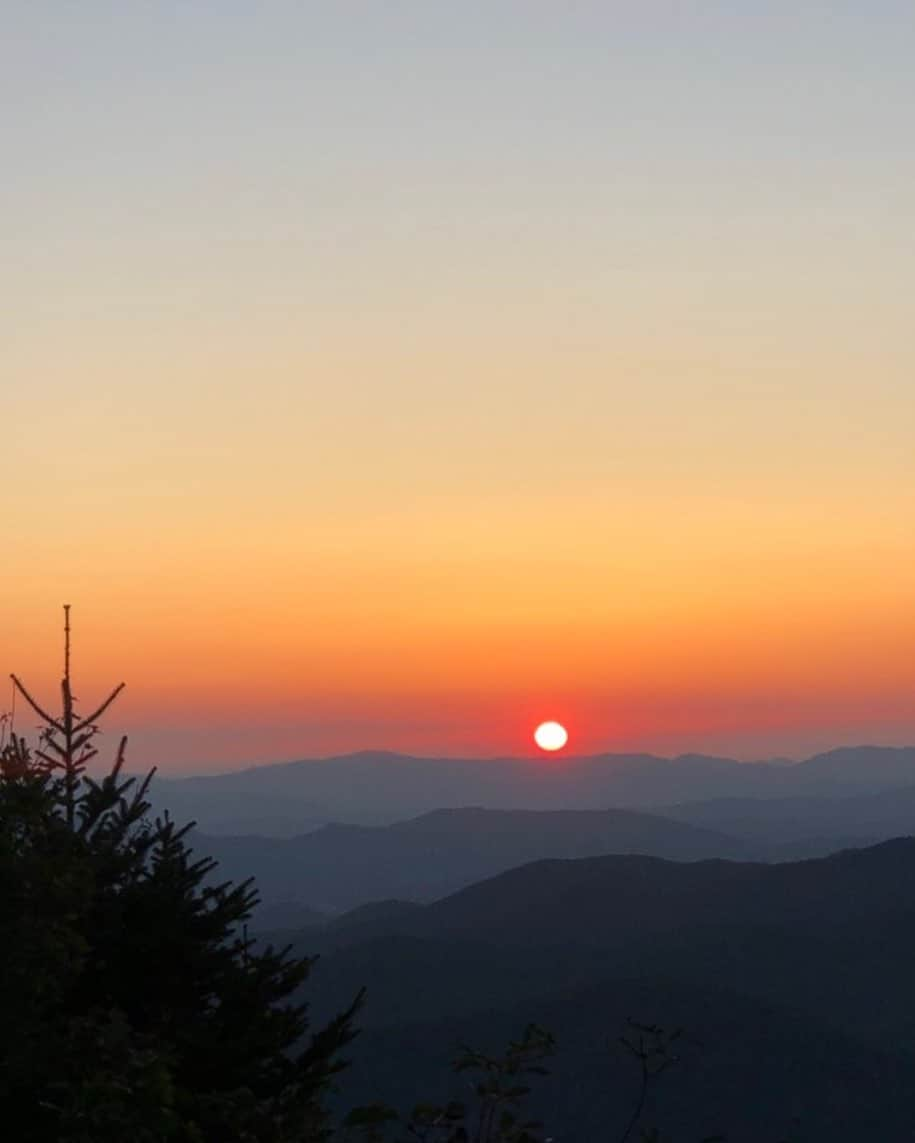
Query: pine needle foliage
[[133, 1004]]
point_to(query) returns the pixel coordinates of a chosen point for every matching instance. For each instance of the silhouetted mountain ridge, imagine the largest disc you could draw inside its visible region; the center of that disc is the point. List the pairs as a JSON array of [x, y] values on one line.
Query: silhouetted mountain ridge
[[340, 866], [376, 787], [583, 900]]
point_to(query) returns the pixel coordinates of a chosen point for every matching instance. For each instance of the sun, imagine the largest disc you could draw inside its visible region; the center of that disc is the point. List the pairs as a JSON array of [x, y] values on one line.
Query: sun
[[551, 736]]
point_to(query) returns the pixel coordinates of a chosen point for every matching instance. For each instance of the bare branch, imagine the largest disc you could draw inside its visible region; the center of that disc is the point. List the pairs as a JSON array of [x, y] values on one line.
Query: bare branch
[[96, 714], [52, 744], [144, 785], [43, 714], [119, 761]]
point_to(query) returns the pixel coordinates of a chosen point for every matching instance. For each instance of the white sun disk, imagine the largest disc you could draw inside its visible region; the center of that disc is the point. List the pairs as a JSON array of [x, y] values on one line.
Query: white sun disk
[[551, 736]]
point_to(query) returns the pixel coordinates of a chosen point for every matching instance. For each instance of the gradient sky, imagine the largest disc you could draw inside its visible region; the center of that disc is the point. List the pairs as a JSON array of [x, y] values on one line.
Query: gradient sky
[[399, 374]]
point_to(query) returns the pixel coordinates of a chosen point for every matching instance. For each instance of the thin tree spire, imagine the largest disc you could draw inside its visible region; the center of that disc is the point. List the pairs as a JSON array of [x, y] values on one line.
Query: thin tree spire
[[67, 739], [67, 641]]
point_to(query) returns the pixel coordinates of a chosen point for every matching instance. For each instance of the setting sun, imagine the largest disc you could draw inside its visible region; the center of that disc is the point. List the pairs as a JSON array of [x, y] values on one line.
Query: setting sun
[[551, 736]]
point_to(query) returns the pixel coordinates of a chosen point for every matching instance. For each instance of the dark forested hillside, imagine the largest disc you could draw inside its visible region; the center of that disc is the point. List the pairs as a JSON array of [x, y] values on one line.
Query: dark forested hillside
[[751, 1070], [790, 979], [618, 899]]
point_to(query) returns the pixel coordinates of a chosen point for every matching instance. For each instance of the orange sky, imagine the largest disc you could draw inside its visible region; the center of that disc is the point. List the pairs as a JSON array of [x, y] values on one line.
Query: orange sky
[[351, 405]]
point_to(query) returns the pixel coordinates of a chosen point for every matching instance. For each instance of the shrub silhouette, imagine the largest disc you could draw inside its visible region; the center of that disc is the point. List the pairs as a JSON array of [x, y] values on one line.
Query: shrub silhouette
[[500, 1087]]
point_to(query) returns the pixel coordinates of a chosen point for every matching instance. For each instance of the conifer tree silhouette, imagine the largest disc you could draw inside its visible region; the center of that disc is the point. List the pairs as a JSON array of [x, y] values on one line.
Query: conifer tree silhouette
[[134, 1004], [67, 740]]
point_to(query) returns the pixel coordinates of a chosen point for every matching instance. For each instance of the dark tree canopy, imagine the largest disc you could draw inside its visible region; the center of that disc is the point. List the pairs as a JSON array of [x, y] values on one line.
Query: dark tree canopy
[[134, 1007]]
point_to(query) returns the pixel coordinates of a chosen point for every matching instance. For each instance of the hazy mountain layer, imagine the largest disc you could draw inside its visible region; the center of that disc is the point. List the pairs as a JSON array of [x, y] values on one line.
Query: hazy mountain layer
[[379, 788], [337, 867], [789, 820]]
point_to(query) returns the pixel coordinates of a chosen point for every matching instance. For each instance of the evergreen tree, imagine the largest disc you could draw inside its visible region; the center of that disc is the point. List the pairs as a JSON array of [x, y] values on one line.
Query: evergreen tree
[[133, 1003]]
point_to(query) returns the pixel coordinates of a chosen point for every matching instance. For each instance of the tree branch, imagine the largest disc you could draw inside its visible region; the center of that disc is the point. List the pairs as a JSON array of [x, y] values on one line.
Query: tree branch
[[42, 714], [96, 714]]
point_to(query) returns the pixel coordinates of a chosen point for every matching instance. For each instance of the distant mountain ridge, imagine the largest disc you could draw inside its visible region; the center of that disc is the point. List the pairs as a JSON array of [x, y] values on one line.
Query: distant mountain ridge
[[533, 903], [859, 817], [630, 913], [340, 866], [378, 788]]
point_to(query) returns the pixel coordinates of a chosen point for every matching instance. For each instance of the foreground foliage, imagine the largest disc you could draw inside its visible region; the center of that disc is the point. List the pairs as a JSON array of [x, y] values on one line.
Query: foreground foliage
[[133, 1004], [495, 1115]]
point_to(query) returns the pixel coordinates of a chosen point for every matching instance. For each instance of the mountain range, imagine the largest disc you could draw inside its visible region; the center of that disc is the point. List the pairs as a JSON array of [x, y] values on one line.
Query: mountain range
[[684, 905], [792, 982], [337, 867], [377, 788]]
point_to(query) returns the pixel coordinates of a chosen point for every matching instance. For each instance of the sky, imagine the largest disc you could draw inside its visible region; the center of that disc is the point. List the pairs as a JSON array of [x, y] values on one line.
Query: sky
[[397, 375]]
